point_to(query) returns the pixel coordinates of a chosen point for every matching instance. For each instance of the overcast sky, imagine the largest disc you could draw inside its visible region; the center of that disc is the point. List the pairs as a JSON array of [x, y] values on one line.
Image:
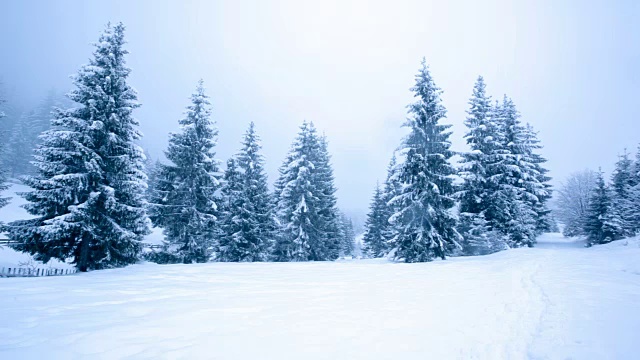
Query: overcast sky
[[572, 68]]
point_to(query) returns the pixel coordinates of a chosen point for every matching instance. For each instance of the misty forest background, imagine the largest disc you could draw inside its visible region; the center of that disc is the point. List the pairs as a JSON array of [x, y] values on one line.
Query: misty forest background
[[95, 195]]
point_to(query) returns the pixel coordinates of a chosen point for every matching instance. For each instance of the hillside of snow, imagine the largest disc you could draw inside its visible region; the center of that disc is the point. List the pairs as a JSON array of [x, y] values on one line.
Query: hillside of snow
[[557, 301]]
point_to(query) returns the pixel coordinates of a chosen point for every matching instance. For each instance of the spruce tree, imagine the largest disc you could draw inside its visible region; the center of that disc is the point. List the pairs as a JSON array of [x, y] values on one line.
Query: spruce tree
[[347, 236], [423, 225], [298, 199], [539, 187], [603, 223], [3, 186], [329, 223], [479, 164], [248, 223], [375, 226], [232, 246], [518, 179], [25, 136], [478, 238], [306, 203], [483, 201], [184, 201], [88, 194], [623, 181]]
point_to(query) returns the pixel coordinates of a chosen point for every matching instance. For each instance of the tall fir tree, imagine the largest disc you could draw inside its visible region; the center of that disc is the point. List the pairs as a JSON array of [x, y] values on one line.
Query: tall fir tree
[[3, 186], [184, 202], [623, 181], [482, 198], [518, 179], [423, 225], [87, 197], [248, 222], [603, 223], [328, 247], [306, 202], [376, 225], [541, 189], [298, 199], [479, 164], [232, 247]]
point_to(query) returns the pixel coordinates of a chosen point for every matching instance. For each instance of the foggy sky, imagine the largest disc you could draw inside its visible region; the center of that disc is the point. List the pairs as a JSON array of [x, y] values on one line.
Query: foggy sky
[[570, 66]]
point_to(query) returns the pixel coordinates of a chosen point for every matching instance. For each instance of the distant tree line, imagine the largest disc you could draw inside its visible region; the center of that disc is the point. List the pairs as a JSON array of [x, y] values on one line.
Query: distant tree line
[[602, 211]]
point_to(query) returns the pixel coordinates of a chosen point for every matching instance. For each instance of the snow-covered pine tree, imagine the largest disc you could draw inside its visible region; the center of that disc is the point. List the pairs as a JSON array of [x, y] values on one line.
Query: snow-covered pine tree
[[248, 222], [478, 165], [25, 135], [518, 179], [375, 241], [348, 236], [3, 186], [424, 226], [329, 224], [392, 189], [541, 190], [623, 182], [635, 192], [184, 201], [482, 199], [306, 202], [477, 236], [297, 199], [88, 194], [232, 246], [603, 223]]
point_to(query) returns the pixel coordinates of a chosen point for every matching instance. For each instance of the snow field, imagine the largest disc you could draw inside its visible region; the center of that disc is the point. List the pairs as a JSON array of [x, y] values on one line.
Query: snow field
[[558, 301]]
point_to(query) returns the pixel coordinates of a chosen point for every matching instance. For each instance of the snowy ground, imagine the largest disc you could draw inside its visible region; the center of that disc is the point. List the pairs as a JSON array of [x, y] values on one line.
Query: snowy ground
[[557, 301]]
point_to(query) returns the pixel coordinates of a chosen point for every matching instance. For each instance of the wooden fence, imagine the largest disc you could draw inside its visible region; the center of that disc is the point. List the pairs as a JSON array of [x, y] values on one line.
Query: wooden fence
[[34, 272]]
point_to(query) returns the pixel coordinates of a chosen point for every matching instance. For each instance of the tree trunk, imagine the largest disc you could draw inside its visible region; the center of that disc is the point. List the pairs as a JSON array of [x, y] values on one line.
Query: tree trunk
[[83, 264]]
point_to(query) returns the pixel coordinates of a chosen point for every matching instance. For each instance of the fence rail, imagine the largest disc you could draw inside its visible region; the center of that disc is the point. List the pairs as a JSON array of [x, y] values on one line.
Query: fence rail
[[4, 241], [19, 271], [34, 272]]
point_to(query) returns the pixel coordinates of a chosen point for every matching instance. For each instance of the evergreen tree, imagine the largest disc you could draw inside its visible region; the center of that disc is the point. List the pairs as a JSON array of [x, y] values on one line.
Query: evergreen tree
[[483, 201], [376, 226], [623, 182], [541, 189], [306, 203], [3, 186], [184, 201], [603, 223], [479, 165], [232, 246], [348, 236], [478, 237], [298, 199], [25, 136], [329, 224], [88, 194], [248, 225], [424, 226], [392, 189], [518, 179]]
